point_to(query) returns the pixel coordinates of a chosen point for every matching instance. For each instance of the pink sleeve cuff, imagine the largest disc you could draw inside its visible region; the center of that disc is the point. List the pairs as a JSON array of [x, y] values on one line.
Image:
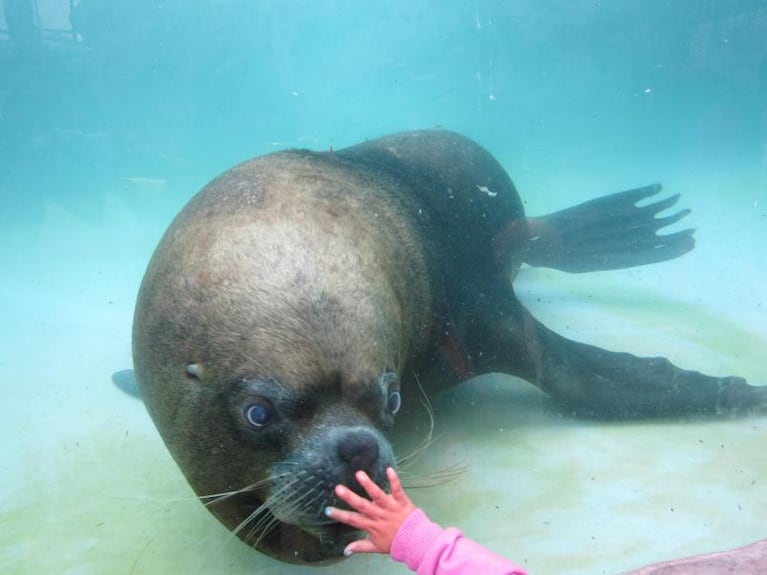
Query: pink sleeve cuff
[[413, 539], [428, 549]]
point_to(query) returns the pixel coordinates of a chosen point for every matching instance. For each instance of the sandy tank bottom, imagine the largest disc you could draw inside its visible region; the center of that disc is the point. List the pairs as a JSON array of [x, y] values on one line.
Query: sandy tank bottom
[[88, 487]]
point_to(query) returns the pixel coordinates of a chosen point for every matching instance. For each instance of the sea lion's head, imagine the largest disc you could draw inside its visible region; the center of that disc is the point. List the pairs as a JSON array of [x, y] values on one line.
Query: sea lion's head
[[269, 337]]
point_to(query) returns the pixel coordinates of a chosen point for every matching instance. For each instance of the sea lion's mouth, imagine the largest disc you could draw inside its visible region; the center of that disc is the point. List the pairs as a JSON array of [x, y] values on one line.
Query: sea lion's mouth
[[332, 534]]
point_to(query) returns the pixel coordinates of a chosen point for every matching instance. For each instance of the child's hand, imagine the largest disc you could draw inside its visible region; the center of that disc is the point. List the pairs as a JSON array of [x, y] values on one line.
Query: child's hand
[[380, 517]]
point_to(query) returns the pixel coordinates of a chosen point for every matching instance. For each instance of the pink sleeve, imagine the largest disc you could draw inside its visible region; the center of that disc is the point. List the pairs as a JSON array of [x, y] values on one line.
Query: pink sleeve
[[430, 550]]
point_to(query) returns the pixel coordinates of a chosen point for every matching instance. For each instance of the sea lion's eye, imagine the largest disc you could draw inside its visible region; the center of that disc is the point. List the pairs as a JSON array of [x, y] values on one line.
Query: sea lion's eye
[[258, 415], [394, 402], [389, 383]]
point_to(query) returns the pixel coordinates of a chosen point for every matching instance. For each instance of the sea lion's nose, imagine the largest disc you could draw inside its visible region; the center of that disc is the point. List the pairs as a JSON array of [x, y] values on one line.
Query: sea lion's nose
[[359, 449]]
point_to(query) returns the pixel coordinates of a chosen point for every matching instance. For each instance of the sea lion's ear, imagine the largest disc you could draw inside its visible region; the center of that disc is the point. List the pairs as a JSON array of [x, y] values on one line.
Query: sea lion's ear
[[125, 379]]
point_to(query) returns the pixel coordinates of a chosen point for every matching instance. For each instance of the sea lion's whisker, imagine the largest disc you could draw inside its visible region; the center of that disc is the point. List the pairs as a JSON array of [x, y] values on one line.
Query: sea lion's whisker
[[278, 500], [288, 505], [260, 528], [263, 518], [261, 512], [154, 499], [281, 495], [214, 498], [407, 460], [319, 514], [438, 477], [261, 509]]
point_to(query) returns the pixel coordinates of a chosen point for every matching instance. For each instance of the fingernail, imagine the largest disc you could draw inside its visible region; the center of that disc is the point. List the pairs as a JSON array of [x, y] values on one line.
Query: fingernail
[[348, 552], [329, 511]]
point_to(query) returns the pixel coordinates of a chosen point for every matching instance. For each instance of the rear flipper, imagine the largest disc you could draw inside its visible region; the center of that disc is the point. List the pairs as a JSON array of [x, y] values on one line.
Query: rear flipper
[[591, 381], [608, 233]]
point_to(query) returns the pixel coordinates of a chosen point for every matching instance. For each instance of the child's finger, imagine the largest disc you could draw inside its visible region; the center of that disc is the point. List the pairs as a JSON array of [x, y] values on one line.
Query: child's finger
[[362, 546], [394, 482], [352, 499], [369, 486], [348, 517], [397, 492]]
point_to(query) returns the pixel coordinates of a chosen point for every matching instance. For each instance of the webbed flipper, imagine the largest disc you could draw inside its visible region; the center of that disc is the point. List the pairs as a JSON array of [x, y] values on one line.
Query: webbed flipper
[[608, 233], [591, 381], [125, 379]]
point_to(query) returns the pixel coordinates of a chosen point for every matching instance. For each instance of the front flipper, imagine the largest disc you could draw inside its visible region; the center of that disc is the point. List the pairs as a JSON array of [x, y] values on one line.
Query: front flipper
[[125, 379], [588, 380], [608, 233]]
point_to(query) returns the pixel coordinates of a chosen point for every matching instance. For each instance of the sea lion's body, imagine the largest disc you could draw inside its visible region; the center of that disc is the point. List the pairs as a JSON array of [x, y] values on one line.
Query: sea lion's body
[[295, 297]]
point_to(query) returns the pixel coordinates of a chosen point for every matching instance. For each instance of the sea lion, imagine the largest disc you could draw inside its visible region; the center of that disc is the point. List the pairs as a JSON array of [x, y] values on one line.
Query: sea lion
[[292, 304]]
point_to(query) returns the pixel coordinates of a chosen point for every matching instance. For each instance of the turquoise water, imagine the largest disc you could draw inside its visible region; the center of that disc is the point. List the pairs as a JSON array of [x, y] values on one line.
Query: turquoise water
[[112, 114]]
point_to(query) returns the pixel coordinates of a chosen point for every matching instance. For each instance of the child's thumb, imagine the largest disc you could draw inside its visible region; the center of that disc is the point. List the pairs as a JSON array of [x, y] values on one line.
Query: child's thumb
[[362, 546]]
